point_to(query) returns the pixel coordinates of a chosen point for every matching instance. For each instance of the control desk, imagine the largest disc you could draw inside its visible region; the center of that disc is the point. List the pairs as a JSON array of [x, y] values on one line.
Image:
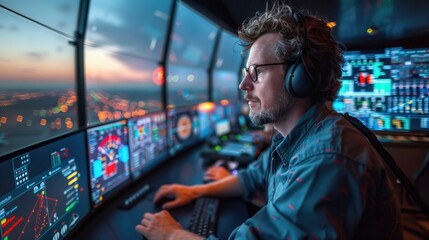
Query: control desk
[[112, 222]]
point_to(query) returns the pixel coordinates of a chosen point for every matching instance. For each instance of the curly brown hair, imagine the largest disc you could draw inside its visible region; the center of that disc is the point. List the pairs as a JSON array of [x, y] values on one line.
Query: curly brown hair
[[322, 53]]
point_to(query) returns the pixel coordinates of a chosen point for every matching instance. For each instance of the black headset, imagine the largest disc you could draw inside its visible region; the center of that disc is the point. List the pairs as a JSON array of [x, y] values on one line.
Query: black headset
[[298, 80]]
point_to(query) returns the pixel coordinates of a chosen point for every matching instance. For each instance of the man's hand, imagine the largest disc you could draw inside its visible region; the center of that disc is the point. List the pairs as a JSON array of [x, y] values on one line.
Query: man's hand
[[180, 195], [215, 173], [161, 226]]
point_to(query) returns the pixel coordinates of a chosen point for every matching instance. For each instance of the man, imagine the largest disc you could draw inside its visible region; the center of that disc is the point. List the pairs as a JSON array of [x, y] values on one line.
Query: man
[[323, 179]]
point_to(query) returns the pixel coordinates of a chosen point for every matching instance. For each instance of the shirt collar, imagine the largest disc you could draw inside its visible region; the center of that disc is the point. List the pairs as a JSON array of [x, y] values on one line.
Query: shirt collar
[[283, 145]]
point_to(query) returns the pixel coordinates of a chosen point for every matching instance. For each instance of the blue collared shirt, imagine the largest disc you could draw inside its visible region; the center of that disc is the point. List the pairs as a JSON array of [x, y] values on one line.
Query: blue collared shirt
[[323, 180]]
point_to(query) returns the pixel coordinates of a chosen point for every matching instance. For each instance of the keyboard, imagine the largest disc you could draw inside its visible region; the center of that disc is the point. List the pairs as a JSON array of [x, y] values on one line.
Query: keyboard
[[204, 216], [131, 200]]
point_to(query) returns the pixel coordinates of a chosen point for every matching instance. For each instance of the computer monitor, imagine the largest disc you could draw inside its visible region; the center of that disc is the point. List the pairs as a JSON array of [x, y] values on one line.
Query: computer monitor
[[148, 142], [222, 127], [183, 128], [206, 118], [108, 159], [242, 122], [44, 190], [387, 90], [227, 110]]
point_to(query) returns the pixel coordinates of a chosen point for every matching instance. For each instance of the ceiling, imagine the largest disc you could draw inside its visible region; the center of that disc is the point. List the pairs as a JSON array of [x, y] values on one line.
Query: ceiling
[[396, 22]]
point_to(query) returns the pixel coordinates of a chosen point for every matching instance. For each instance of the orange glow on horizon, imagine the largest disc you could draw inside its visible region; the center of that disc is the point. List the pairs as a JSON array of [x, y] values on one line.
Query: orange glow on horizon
[[102, 67]]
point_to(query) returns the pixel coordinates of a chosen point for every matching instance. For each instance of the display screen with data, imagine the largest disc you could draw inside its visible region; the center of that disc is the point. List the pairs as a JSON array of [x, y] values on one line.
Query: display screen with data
[[108, 159], [387, 90], [44, 191], [183, 128], [148, 142]]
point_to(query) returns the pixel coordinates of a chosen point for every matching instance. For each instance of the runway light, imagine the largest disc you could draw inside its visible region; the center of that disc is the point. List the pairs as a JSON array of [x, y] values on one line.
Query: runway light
[[127, 115], [64, 108], [117, 114]]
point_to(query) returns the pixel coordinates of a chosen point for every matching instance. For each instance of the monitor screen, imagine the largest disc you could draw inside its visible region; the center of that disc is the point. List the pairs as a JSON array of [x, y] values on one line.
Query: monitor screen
[[242, 122], [387, 91], [108, 159], [183, 128], [228, 110], [222, 127], [148, 142], [44, 191], [206, 118]]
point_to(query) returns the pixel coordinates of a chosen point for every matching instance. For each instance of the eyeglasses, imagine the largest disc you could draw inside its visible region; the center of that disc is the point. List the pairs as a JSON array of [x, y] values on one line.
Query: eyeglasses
[[252, 69]]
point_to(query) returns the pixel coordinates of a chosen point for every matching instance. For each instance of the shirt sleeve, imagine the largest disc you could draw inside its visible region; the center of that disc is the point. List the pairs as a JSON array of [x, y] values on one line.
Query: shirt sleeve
[[321, 197], [254, 176]]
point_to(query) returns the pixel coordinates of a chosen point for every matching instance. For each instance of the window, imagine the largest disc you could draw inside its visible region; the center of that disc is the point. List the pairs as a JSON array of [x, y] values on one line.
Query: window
[[189, 57], [186, 85], [120, 86], [60, 15], [125, 42], [225, 74], [135, 28], [37, 83]]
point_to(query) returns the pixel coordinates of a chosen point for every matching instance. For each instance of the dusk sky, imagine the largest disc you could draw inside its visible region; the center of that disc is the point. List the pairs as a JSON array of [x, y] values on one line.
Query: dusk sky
[[31, 52]]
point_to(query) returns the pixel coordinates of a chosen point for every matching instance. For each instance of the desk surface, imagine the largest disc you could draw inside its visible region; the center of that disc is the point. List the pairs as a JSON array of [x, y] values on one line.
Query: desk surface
[[110, 222]]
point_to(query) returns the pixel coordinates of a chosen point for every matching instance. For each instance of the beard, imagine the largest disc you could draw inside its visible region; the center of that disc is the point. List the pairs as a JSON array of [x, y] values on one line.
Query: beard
[[273, 114]]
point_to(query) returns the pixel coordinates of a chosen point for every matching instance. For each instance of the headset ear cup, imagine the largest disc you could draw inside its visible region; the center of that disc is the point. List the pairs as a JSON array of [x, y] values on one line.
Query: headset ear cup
[[298, 81], [290, 75], [303, 84]]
